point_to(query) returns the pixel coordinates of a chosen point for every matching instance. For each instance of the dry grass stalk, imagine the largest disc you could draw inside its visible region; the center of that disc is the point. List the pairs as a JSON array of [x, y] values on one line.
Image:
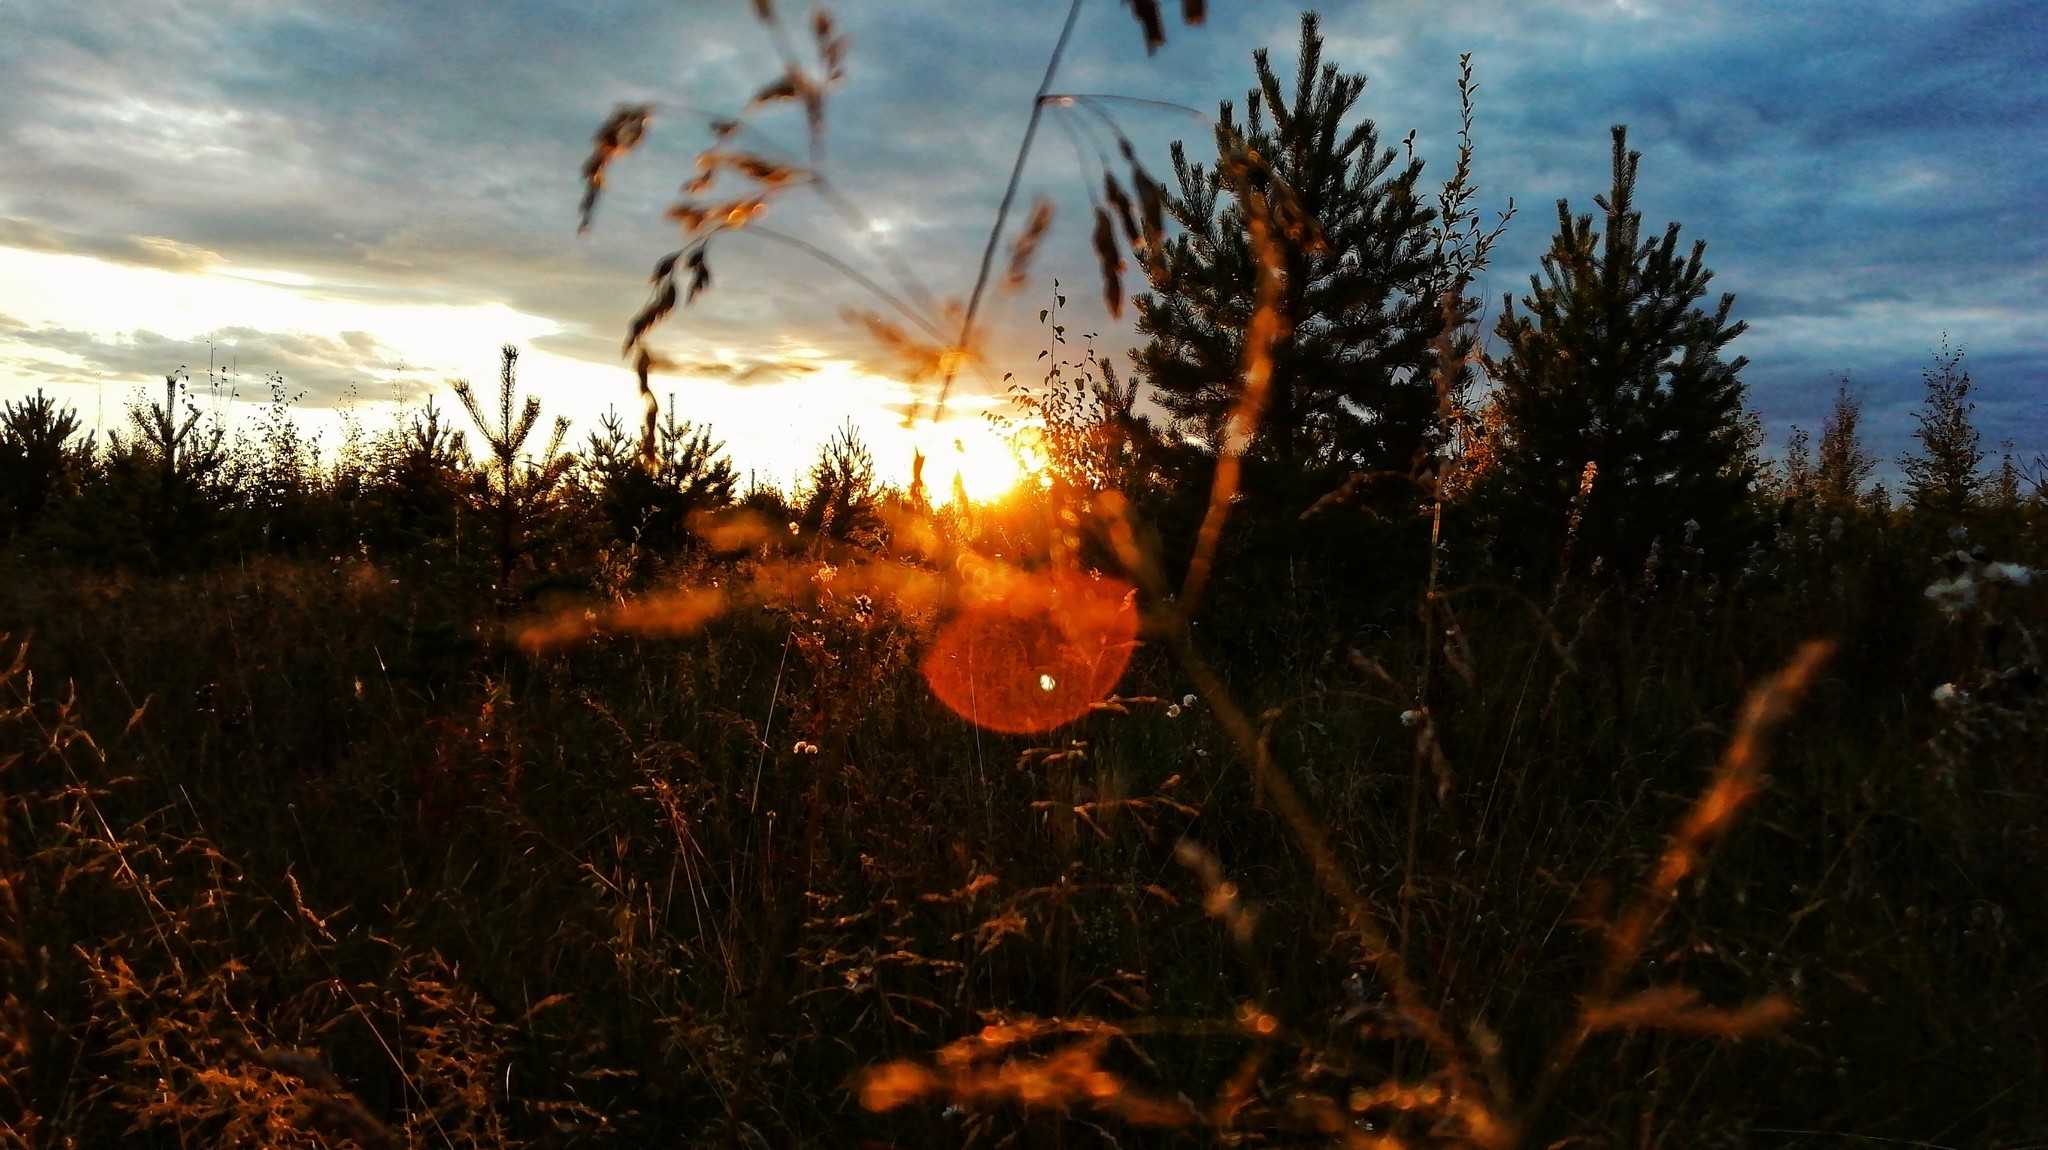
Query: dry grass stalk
[[20, 1124], [1149, 19], [619, 134], [1110, 258], [1736, 781], [1256, 375], [1152, 20], [984, 1070], [1025, 247], [701, 222], [650, 408], [323, 1104]]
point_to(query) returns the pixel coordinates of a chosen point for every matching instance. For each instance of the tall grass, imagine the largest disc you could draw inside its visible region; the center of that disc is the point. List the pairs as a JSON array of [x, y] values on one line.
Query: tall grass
[[330, 850], [755, 873]]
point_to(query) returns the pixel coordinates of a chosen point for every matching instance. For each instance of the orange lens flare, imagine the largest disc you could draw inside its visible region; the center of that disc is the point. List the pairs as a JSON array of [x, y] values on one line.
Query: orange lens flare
[[1027, 652]]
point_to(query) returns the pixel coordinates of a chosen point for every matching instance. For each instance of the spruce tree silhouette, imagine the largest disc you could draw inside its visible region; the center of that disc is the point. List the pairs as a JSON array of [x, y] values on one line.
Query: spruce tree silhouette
[[841, 498], [163, 491], [1619, 417], [1351, 385], [1843, 465], [509, 495], [417, 482], [1943, 476], [42, 460], [649, 501]]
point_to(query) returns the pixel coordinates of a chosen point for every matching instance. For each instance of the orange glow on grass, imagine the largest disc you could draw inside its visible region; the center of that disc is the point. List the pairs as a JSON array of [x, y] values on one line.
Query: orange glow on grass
[[666, 615], [1016, 651], [987, 1069], [1027, 652]]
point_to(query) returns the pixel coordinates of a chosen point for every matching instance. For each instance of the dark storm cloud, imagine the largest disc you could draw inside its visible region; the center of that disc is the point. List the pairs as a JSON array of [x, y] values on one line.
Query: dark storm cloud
[[1865, 173]]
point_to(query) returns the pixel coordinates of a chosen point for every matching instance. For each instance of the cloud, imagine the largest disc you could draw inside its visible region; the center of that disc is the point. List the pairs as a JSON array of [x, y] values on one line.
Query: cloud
[[326, 371], [1863, 170], [141, 251]]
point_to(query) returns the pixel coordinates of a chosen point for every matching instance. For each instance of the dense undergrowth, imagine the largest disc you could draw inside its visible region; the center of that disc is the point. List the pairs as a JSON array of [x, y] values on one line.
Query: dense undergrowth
[[637, 889]]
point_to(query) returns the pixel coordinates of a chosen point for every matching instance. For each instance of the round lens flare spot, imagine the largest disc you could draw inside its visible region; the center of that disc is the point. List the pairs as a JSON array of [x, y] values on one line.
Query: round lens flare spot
[[1031, 651]]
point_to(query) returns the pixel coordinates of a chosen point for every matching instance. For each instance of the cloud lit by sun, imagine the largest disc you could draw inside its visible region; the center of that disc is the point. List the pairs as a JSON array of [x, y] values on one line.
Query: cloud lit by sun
[[773, 406]]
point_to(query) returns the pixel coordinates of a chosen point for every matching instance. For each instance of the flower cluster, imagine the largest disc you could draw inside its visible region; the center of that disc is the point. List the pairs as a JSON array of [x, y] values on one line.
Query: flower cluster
[[1998, 707], [1968, 574]]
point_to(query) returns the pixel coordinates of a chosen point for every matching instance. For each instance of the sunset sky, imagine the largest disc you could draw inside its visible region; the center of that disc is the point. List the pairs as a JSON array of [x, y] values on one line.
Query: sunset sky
[[371, 196]]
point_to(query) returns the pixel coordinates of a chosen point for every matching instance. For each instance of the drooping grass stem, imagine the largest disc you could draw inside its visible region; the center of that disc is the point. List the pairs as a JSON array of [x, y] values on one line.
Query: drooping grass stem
[[995, 231]]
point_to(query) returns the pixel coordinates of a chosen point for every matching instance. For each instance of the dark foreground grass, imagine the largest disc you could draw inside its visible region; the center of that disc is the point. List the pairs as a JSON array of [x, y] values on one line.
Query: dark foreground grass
[[308, 854]]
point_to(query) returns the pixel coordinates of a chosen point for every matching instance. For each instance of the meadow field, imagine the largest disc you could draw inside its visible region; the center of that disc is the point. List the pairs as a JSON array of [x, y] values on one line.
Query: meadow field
[[1251, 774]]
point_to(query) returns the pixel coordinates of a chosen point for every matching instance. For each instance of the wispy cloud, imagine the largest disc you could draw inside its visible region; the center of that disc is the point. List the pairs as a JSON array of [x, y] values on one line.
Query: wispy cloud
[[141, 251]]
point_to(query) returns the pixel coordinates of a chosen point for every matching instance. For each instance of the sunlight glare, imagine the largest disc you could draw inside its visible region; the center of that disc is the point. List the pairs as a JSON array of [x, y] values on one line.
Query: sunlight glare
[[773, 423], [1029, 651], [969, 449]]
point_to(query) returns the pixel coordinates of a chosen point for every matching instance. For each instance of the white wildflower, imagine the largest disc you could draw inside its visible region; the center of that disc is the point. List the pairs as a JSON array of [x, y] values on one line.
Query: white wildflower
[[2013, 573], [1954, 596]]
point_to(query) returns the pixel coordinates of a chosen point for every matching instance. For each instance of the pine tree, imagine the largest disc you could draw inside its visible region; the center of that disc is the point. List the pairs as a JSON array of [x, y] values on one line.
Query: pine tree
[[840, 497], [1942, 477], [164, 492], [650, 501], [1845, 465], [415, 487], [42, 461], [1351, 384], [1613, 367], [513, 497]]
